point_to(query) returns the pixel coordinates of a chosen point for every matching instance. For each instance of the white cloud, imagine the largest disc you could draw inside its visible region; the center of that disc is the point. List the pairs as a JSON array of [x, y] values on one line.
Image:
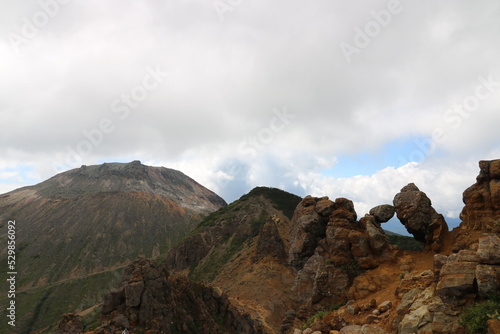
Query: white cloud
[[225, 78]]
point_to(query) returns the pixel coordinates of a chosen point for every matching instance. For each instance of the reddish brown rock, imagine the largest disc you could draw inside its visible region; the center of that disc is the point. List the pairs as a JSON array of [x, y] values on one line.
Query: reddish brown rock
[[414, 210], [493, 326], [70, 324], [482, 200]]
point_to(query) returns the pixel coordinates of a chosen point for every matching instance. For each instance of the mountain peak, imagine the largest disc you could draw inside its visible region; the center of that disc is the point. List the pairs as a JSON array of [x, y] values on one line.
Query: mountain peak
[[128, 177]]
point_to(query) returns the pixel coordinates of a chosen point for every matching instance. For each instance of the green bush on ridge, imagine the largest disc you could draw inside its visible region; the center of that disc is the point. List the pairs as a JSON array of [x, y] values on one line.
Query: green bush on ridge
[[475, 317]]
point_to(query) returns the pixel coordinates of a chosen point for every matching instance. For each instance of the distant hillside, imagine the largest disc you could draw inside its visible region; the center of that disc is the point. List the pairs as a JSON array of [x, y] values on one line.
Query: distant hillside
[[404, 242], [241, 246], [222, 234], [96, 219]]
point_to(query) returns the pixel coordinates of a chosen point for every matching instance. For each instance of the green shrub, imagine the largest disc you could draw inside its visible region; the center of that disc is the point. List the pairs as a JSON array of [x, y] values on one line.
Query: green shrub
[[281, 200], [475, 317], [405, 243], [495, 316], [319, 315], [310, 321], [352, 268]]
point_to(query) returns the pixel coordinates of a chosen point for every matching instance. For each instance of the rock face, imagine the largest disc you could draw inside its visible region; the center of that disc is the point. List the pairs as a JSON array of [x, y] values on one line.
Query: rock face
[[70, 324], [151, 299], [470, 271], [270, 242], [421, 311], [432, 302], [329, 247], [414, 210], [482, 200], [308, 227]]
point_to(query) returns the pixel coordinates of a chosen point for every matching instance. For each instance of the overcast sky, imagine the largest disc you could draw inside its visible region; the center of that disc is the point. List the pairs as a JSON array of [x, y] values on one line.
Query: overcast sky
[[339, 98]]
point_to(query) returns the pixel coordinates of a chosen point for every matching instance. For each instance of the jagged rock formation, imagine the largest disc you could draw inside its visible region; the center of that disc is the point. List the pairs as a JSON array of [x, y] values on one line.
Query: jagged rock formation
[[91, 221], [270, 242], [152, 299], [414, 210], [267, 259], [481, 212], [308, 227], [328, 247], [482, 200]]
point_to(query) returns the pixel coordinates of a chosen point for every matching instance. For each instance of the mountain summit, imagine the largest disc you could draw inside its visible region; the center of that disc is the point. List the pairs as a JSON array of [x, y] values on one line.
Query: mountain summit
[[92, 220], [131, 177]]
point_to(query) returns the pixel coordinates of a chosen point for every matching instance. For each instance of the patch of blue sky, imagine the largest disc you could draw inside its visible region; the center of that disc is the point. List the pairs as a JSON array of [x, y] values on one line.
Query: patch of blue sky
[[22, 174], [395, 154]]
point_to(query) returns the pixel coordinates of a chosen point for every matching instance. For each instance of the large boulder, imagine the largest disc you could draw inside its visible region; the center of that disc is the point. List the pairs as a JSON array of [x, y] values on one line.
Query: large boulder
[[415, 320], [457, 276], [382, 213], [489, 249], [414, 210]]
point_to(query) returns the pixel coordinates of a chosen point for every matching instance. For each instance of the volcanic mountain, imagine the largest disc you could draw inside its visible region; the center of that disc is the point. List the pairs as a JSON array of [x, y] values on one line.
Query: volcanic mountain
[[89, 221]]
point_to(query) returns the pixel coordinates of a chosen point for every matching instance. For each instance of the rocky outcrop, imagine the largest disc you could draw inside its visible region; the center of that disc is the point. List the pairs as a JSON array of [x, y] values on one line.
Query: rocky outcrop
[[308, 227], [482, 200], [414, 210], [421, 311], [329, 247], [470, 272], [270, 242], [432, 301], [382, 213], [152, 299], [70, 324]]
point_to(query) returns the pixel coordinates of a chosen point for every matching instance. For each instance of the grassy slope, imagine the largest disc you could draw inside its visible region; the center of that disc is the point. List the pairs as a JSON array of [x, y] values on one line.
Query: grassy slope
[[237, 223]]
